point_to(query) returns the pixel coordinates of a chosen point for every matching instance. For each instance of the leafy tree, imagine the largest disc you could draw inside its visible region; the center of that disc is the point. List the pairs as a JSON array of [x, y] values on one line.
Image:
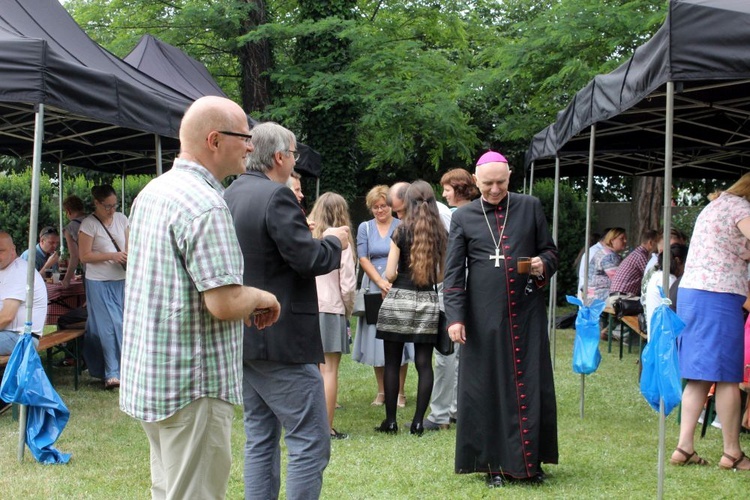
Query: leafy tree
[[15, 205], [571, 230]]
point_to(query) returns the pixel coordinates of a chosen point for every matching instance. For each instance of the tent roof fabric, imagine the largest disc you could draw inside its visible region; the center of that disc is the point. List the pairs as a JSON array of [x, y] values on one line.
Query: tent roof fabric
[[100, 113], [173, 67], [702, 47]]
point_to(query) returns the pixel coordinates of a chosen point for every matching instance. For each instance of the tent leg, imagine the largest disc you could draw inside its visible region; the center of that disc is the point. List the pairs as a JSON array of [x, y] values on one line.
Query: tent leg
[[553, 280], [30, 269], [589, 190]]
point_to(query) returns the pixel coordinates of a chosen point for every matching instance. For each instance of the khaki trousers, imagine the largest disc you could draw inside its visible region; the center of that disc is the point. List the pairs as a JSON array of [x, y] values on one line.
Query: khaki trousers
[[191, 451]]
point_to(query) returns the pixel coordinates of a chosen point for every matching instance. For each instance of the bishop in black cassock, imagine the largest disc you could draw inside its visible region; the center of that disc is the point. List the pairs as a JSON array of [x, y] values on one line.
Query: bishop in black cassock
[[507, 416]]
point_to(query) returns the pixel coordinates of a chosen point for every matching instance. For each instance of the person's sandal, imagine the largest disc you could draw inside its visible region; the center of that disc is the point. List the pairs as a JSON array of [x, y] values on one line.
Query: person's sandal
[[735, 462], [401, 400], [112, 383], [690, 459], [379, 400]]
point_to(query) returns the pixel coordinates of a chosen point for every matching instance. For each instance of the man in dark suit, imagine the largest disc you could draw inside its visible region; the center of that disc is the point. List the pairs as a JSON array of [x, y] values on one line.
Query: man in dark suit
[[282, 386]]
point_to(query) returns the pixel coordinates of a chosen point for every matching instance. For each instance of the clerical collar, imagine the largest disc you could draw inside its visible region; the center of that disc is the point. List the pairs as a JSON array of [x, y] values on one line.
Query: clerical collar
[[493, 206]]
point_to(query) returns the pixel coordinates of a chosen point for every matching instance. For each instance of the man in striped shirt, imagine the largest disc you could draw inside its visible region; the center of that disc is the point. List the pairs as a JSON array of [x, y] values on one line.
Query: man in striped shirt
[[184, 307]]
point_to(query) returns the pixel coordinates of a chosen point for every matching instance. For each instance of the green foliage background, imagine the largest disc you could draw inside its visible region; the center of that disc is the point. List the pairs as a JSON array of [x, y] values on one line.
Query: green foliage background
[[15, 200], [570, 229], [389, 90]]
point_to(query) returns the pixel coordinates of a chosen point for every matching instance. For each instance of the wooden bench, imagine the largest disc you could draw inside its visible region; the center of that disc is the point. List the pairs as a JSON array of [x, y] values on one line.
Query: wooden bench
[[631, 323], [59, 341]]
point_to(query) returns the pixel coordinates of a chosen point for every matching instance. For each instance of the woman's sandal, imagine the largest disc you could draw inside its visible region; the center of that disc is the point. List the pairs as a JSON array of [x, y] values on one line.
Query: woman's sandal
[[735, 462], [379, 400], [690, 459]]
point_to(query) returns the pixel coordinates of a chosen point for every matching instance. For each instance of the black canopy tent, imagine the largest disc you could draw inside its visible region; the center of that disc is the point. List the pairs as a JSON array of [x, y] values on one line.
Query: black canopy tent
[[681, 103], [100, 113], [173, 67], [703, 49]]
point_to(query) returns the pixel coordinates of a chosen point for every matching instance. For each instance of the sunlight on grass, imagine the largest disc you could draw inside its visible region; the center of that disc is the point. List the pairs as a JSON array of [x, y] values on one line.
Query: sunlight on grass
[[612, 453]]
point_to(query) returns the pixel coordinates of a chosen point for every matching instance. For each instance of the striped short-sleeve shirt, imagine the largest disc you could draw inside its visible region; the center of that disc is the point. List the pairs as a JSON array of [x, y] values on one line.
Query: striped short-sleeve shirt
[[182, 243]]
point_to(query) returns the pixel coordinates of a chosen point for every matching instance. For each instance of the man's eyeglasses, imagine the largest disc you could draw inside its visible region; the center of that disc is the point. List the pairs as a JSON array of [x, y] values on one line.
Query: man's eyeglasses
[[248, 138], [295, 154], [48, 231]]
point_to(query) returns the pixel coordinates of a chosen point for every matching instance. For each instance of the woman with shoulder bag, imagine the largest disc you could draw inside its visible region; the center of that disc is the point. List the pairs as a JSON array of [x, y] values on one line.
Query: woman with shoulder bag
[[373, 245], [410, 310], [102, 246]]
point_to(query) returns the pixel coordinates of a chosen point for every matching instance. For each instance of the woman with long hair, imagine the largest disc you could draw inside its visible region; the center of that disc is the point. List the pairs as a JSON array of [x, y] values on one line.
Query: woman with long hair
[[335, 299], [410, 309], [103, 247], [373, 245], [711, 293]]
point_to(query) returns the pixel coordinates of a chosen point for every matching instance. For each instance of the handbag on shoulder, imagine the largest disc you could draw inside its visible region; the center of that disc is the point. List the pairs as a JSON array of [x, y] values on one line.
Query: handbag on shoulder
[[359, 303]]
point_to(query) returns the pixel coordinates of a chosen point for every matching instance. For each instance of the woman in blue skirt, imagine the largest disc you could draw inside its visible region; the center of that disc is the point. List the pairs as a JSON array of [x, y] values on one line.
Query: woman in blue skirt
[[711, 294]]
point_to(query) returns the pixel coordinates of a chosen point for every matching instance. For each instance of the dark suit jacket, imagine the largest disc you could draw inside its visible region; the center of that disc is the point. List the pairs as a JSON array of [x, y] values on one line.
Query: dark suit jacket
[[281, 257]]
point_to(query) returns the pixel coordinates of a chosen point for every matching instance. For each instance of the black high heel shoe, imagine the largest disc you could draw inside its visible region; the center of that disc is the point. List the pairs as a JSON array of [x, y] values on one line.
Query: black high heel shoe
[[387, 427], [417, 428]]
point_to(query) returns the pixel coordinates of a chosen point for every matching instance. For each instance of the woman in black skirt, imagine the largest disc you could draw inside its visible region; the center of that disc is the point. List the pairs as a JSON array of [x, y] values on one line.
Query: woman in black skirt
[[410, 309]]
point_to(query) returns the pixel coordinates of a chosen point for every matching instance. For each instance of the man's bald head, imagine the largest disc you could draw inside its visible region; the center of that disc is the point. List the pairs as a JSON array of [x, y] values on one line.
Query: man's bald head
[[204, 115], [492, 180], [210, 123], [7, 250], [395, 198]]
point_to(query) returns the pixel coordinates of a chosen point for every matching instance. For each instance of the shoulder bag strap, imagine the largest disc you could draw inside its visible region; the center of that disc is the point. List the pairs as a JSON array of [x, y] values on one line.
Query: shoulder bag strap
[[117, 247]]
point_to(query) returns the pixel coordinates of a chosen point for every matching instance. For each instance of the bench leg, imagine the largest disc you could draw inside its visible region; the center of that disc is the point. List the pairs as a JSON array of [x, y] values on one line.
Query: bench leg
[[77, 367], [49, 365], [610, 327]]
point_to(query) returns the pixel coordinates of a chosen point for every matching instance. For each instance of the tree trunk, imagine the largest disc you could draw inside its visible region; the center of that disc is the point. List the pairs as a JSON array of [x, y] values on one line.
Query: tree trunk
[[255, 62], [647, 207]]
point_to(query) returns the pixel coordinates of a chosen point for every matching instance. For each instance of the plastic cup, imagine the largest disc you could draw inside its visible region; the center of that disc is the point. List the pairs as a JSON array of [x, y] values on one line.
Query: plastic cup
[[524, 265], [55, 277]]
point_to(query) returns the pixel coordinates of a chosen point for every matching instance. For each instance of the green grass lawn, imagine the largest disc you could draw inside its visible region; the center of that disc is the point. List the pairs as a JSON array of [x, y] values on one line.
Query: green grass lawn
[[612, 453]]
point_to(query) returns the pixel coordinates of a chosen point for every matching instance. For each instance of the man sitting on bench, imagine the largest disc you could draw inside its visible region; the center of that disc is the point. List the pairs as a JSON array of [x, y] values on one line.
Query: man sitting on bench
[[13, 297]]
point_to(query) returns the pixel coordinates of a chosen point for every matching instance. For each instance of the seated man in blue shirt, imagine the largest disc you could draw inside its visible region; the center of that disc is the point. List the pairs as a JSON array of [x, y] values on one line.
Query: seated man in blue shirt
[[46, 256]]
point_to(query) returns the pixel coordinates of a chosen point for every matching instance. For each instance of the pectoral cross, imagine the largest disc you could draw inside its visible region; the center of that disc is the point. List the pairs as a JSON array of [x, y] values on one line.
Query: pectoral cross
[[497, 257]]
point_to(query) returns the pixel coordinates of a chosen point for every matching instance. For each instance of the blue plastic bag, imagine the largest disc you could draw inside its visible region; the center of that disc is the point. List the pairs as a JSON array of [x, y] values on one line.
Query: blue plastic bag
[[586, 355], [660, 378], [25, 382]]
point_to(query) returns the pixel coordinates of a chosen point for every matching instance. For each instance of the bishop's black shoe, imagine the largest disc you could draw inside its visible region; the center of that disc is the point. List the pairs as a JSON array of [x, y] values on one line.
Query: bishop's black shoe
[[387, 427], [495, 480]]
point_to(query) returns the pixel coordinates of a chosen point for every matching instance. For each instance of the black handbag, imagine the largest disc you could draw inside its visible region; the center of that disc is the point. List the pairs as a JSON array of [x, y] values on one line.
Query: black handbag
[[627, 307], [373, 301], [444, 345]]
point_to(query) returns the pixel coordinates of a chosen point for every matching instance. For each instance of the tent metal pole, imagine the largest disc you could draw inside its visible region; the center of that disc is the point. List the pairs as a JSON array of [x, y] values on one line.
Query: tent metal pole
[[157, 140], [553, 280], [531, 180], [589, 189], [30, 268], [668, 135], [59, 203], [317, 188], [122, 188]]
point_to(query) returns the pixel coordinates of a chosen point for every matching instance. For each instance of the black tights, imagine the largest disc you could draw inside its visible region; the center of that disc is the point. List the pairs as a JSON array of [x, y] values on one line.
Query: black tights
[[423, 360]]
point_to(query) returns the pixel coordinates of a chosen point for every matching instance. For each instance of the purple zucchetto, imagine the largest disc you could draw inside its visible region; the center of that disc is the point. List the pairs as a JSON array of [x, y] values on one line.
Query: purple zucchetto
[[490, 157]]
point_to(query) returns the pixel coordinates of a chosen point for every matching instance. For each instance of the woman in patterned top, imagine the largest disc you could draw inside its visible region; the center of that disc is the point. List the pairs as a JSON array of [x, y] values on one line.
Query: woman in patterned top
[[711, 295]]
